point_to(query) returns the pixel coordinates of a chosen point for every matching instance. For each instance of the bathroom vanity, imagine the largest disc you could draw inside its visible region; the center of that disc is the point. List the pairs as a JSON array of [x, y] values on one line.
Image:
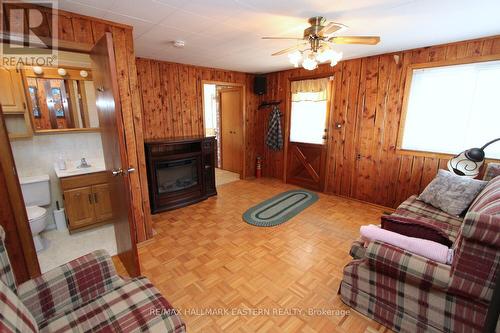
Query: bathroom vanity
[[87, 200], [87, 196]]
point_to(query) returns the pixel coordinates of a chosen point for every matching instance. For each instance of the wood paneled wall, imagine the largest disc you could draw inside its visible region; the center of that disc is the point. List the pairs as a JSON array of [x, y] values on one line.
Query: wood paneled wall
[[172, 101], [81, 32], [367, 103]]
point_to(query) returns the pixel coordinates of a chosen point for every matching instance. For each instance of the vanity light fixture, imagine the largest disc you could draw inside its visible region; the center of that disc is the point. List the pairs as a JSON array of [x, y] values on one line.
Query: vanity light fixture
[[38, 70], [61, 71], [84, 73]]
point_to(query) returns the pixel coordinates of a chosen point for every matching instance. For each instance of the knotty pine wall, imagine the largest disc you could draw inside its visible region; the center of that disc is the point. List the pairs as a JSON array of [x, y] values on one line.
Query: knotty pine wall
[[85, 31], [367, 103], [172, 101]]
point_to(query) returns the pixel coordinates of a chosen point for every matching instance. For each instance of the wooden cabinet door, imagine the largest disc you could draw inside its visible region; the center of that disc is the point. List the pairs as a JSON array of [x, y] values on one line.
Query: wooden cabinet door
[[102, 202], [11, 96], [79, 206]]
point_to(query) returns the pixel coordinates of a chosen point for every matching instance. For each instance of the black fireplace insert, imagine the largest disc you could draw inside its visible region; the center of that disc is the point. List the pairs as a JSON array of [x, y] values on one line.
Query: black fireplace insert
[[180, 171]]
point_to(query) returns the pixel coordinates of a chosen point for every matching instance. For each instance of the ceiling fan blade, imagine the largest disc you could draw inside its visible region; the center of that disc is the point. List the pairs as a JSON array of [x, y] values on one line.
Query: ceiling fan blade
[[294, 38], [368, 40], [332, 27], [295, 47]]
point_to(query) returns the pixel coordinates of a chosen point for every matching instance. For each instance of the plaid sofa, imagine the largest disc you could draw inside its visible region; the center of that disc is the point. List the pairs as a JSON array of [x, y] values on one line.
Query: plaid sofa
[[84, 295], [414, 208], [410, 293]]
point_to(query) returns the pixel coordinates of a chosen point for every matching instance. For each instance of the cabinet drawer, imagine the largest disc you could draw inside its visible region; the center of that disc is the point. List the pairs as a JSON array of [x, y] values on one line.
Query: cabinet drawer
[[85, 180]]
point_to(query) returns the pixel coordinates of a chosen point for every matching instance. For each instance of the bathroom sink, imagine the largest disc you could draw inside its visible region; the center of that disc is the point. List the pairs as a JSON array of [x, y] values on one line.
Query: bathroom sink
[[72, 169]]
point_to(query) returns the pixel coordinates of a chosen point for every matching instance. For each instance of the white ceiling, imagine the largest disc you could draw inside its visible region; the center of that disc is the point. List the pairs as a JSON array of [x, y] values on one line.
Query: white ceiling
[[226, 33]]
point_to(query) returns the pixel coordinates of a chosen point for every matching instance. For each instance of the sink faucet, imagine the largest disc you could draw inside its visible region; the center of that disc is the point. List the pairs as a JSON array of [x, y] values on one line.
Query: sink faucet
[[84, 163]]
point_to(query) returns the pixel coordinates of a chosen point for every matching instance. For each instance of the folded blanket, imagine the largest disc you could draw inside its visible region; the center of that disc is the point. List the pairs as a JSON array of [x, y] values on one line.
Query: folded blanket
[[422, 247]]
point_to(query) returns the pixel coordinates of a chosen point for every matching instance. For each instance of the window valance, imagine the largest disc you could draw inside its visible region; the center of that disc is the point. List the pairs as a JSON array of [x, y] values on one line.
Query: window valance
[[314, 90]]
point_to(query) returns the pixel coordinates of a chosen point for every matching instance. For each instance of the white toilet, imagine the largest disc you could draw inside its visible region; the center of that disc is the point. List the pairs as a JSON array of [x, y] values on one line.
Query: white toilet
[[36, 193]]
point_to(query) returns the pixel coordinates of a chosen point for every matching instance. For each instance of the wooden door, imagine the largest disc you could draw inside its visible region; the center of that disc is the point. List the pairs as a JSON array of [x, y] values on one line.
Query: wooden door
[[231, 129], [79, 206], [306, 159], [114, 148], [102, 202]]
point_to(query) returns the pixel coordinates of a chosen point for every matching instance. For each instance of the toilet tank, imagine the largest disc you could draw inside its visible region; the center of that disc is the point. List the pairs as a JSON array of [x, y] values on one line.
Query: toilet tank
[[36, 190]]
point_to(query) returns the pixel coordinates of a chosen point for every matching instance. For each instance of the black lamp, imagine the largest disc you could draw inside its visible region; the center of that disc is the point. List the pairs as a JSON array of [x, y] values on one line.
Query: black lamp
[[468, 162]]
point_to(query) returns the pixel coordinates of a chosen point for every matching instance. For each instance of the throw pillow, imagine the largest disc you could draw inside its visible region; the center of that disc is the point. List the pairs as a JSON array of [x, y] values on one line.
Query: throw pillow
[[492, 171], [451, 193], [418, 228]]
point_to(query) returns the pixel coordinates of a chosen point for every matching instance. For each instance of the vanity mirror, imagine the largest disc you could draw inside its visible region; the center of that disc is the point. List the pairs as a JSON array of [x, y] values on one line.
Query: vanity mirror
[[60, 99]]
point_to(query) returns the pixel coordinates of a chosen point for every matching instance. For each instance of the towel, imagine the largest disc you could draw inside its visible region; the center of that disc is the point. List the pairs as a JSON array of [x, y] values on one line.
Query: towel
[[274, 139], [423, 247]]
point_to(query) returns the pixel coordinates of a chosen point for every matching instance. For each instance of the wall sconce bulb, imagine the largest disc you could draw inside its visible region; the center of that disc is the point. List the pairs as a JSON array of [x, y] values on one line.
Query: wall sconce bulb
[[38, 70]]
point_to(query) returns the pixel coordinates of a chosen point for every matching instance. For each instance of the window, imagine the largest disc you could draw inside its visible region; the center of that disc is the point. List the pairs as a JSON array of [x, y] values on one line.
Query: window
[[453, 108], [309, 111]]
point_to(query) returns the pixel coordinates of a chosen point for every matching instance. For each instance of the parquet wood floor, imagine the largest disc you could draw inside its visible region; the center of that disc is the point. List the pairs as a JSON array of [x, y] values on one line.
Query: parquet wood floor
[[205, 257]]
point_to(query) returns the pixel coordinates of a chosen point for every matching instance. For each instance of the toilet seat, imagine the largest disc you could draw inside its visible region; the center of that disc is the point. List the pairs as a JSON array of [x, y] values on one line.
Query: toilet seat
[[35, 212]]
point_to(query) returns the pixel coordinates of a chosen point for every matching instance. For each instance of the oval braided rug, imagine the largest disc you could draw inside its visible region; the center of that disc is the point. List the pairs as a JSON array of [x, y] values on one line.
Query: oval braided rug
[[279, 208]]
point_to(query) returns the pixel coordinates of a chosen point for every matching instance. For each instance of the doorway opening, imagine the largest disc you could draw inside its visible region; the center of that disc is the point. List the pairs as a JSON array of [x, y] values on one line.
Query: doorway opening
[[55, 126], [223, 105], [73, 199]]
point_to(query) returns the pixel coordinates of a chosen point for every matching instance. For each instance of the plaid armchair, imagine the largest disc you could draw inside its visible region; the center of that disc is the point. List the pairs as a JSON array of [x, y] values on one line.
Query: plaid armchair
[[84, 295], [410, 293]]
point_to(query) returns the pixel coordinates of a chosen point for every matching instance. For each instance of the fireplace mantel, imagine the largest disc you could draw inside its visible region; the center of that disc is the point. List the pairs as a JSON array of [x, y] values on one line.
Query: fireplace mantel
[[180, 171]]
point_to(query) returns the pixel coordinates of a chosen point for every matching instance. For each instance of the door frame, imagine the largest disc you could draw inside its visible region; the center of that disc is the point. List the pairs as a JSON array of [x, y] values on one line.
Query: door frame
[[328, 122], [241, 86], [14, 202], [31, 263]]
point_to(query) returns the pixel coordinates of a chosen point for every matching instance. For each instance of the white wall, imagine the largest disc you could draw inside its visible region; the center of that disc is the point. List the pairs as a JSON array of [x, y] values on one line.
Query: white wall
[[36, 156], [210, 109]]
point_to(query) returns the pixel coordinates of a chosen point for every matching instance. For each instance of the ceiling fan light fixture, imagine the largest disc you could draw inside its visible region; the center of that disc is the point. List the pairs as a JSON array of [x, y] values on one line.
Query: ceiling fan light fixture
[[324, 55], [310, 63], [295, 58], [335, 57], [319, 36]]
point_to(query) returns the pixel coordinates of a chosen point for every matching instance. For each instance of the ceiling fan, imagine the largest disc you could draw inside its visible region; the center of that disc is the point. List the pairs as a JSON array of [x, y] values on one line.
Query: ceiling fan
[[316, 45]]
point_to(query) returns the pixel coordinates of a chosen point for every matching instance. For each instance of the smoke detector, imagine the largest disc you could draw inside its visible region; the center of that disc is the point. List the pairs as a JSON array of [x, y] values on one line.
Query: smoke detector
[[179, 43]]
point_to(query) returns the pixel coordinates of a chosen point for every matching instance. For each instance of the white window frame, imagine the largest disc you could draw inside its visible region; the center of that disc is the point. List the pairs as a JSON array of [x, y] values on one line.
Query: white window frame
[[409, 76]]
